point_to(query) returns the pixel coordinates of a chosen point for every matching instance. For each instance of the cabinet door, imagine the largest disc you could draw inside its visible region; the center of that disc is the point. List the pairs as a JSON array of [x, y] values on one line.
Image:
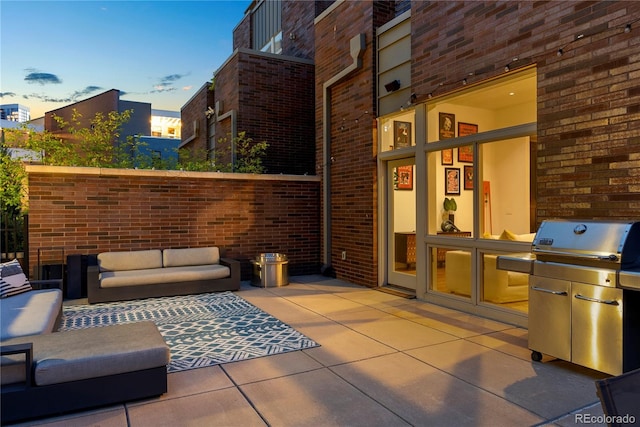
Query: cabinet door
[[596, 327], [550, 316]]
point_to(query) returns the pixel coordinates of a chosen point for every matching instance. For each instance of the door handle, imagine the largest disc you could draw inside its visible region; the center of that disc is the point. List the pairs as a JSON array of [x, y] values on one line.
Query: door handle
[[549, 291], [601, 301]]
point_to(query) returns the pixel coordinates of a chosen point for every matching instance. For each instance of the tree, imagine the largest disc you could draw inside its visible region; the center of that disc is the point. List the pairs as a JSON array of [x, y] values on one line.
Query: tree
[[249, 155], [96, 145], [12, 200]]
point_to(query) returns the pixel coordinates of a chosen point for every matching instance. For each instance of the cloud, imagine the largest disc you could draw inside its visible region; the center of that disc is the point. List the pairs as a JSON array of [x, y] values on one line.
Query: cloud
[[3, 94], [187, 87], [74, 97], [172, 78], [42, 78], [166, 83], [86, 91], [162, 88]]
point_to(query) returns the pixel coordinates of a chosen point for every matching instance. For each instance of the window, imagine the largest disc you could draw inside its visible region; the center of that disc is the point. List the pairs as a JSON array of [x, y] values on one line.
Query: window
[[479, 155], [397, 132], [274, 45], [266, 21], [478, 172]]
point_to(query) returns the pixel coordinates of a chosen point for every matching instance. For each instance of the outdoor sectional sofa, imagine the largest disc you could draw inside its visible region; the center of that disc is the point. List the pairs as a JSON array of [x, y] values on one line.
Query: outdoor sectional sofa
[[44, 372], [156, 273]]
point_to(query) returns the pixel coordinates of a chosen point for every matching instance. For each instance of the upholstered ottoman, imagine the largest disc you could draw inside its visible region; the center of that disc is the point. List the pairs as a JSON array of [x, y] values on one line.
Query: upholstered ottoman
[[82, 368]]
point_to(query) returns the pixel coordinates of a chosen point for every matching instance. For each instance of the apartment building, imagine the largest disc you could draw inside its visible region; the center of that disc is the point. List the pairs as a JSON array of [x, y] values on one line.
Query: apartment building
[[159, 130], [518, 111]]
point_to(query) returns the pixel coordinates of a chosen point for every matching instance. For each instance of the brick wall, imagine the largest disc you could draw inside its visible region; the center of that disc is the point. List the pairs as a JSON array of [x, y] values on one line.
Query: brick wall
[[104, 102], [272, 108], [242, 34], [87, 211], [226, 92], [588, 98], [353, 169], [194, 112], [297, 28]]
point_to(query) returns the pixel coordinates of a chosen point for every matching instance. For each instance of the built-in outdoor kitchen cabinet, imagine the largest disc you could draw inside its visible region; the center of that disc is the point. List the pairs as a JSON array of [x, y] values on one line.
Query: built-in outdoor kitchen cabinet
[[596, 327], [578, 322], [549, 317]]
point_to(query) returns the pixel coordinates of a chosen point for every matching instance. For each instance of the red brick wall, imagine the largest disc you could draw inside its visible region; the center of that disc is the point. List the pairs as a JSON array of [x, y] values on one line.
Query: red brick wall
[[588, 99], [297, 20], [104, 102], [275, 106], [353, 170], [87, 211], [242, 34], [194, 111], [226, 92]]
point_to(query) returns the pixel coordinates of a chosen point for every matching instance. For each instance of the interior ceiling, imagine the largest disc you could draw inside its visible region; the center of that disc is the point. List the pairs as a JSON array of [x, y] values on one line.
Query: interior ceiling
[[502, 95]]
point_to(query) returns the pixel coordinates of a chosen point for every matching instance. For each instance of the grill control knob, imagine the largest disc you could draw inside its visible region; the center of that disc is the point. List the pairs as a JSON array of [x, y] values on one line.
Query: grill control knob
[[580, 229]]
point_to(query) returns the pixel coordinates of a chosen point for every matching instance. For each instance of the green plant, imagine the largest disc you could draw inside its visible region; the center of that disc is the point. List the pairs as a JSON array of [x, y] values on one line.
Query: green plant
[[12, 201], [450, 204], [12, 178], [249, 155]]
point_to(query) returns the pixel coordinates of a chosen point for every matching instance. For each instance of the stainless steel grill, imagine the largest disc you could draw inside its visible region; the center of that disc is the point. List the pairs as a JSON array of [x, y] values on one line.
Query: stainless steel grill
[[584, 304]]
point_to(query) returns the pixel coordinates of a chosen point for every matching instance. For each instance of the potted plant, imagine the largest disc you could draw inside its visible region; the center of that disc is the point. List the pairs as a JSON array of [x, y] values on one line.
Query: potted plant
[[450, 206]]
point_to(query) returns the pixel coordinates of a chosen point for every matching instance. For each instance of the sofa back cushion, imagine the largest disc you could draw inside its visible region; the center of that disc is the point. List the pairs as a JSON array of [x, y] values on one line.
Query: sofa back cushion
[[191, 256], [132, 260]]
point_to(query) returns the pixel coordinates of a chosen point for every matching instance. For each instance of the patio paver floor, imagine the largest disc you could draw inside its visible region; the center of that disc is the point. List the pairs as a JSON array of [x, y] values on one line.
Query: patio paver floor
[[383, 361]]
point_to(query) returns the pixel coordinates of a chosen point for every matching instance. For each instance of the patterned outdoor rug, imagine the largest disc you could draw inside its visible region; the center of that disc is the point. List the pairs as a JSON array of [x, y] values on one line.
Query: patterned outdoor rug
[[201, 330]]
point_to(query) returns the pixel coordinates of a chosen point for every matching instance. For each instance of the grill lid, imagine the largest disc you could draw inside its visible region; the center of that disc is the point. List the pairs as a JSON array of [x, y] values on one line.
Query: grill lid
[[613, 244]]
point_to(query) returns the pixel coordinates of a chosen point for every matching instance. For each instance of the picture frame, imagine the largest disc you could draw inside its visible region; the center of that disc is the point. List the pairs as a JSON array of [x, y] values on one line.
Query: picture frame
[[401, 134], [446, 156], [465, 154], [467, 174], [451, 181], [447, 123], [465, 129], [404, 179]]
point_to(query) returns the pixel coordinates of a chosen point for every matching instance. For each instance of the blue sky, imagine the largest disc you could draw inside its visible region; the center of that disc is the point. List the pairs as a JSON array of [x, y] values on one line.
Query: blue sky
[[55, 53]]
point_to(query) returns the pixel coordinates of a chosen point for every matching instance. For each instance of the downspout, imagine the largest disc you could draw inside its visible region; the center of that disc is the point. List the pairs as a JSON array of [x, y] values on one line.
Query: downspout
[[357, 45]]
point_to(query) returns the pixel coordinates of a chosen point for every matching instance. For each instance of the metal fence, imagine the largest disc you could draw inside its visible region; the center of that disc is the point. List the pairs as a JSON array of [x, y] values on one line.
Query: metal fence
[[13, 240]]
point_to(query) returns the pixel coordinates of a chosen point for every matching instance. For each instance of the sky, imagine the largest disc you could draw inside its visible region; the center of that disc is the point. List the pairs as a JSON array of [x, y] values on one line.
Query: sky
[[55, 53]]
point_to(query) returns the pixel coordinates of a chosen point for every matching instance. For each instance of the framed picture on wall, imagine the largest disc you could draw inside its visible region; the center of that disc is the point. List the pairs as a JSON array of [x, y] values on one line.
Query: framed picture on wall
[[401, 134], [452, 181], [465, 129], [447, 125], [404, 179], [465, 154], [468, 177], [447, 156]]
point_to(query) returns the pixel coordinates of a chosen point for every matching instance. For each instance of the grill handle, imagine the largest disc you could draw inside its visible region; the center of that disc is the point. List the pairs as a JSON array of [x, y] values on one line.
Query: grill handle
[[549, 291], [601, 301], [611, 257]]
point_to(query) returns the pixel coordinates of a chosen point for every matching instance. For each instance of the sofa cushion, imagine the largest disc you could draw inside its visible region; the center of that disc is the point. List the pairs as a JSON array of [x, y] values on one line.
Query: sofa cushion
[[131, 260], [111, 279], [96, 352], [510, 235], [29, 313], [12, 279], [190, 256]]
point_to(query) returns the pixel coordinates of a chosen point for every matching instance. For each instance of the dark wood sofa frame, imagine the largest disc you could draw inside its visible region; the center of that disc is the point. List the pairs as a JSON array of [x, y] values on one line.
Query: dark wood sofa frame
[[27, 400], [97, 294]]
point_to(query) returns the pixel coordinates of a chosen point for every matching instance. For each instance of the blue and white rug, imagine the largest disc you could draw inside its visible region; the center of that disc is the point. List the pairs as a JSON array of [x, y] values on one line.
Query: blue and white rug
[[201, 330]]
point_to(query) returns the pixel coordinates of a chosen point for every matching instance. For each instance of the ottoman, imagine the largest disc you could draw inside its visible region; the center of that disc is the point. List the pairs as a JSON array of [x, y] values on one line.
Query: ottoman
[[80, 369]]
